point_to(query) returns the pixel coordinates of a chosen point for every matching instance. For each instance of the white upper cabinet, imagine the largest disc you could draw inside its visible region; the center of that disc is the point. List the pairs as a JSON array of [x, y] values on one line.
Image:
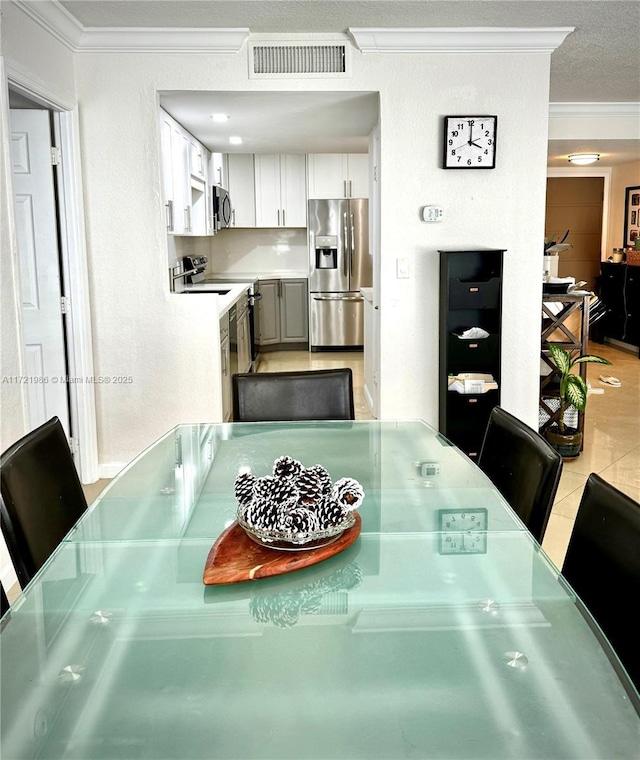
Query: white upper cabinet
[[184, 178], [198, 159], [280, 187], [338, 175], [241, 187], [218, 174]]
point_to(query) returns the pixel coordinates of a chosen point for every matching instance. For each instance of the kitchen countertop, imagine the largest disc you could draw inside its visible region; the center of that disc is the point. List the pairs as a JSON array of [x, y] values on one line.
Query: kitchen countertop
[[236, 291]]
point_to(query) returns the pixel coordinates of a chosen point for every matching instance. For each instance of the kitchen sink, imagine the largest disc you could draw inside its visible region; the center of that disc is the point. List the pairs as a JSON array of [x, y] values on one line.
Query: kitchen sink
[[219, 291]]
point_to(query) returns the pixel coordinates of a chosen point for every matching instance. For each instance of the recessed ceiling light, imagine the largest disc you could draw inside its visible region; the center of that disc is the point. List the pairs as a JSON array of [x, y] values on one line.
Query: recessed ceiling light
[[219, 117], [582, 159], [236, 140]]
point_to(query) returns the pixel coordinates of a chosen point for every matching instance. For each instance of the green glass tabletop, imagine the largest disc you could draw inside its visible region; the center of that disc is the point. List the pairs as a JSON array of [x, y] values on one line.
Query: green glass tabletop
[[183, 485], [394, 644], [418, 641]]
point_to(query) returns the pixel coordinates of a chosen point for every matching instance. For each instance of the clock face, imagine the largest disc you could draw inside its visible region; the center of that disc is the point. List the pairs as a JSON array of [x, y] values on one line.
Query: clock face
[[470, 142], [463, 531]]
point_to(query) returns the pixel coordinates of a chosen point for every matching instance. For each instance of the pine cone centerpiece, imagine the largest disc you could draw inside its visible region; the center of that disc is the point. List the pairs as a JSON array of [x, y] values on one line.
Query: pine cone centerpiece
[[296, 506]]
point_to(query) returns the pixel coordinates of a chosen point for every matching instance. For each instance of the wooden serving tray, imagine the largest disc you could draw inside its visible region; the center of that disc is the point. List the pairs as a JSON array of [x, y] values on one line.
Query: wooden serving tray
[[235, 557]]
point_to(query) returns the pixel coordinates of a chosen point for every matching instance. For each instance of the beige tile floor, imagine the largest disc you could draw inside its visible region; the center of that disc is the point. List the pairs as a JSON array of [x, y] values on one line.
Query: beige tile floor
[[612, 430]]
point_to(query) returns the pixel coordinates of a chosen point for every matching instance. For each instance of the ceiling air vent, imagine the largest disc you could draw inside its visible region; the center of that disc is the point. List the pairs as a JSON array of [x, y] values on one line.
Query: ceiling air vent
[[298, 60]]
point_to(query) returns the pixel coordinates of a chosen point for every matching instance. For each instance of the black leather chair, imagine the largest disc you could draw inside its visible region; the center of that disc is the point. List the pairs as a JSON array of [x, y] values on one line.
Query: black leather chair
[[523, 467], [325, 394], [602, 564], [41, 497], [4, 602]]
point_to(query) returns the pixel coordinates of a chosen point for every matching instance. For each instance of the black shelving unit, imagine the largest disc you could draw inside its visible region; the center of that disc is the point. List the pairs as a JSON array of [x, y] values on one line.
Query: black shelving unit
[[470, 296]]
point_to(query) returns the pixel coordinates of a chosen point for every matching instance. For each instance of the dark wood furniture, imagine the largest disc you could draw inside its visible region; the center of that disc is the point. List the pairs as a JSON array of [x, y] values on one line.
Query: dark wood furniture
[[470, 296], [575, 340], [619, 290]]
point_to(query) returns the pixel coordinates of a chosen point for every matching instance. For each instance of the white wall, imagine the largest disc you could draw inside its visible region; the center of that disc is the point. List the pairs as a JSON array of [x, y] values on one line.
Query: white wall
[[163, 341]]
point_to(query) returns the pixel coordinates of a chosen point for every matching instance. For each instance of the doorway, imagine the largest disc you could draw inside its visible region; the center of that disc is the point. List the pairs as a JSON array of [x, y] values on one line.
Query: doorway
[[68, 267], [39, 260], [577, 204]]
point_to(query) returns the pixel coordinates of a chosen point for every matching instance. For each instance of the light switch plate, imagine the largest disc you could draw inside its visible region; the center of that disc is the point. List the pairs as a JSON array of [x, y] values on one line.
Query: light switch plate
[[402, 269]]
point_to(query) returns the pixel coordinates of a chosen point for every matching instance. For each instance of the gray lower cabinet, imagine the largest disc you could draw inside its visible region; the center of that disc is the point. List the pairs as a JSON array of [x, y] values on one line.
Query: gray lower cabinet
[[283, 312]]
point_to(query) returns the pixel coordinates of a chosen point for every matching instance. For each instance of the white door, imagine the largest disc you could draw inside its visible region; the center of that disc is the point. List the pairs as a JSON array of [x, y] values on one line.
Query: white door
[[36, 224]]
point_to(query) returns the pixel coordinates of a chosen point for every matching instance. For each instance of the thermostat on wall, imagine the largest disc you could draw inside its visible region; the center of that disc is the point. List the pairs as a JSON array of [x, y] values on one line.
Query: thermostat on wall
[[432, 213]]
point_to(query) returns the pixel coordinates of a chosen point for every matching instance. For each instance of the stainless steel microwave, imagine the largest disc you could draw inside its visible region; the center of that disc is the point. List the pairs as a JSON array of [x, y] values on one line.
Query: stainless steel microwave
[[222, 209]]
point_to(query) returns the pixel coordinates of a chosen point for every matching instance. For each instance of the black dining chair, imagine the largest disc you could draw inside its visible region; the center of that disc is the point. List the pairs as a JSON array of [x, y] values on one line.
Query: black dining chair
[[602, 564], [42, 497], [4, 602], [325, 394], [523, 466]]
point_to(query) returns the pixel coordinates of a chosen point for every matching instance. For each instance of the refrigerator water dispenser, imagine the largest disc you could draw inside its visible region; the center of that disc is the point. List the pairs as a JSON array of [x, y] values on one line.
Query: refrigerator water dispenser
[[326, 251]]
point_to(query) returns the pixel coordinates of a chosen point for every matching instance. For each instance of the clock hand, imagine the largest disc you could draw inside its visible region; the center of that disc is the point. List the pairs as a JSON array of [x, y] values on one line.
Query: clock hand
[[476, 144]]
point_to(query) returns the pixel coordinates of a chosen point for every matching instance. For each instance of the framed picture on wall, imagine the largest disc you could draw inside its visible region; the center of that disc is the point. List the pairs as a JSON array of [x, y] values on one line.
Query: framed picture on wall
[[631, 215]]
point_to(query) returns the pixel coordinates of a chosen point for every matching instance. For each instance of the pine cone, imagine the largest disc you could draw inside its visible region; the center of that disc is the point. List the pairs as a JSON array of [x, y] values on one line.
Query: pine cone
[[348, 493], [330, 514], [309, 489], [285, 493], [263, 514], [324, 479], [243, 487], [299, 522], [264, 488], [286, 467]]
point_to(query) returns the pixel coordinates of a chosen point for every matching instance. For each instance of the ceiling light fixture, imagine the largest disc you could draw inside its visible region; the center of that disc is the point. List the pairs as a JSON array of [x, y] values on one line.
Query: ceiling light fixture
[[582, 159], [236, 140], [219, 117]]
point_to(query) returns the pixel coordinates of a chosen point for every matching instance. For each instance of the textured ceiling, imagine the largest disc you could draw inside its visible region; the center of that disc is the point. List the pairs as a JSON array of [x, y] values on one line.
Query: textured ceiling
[[598, 62]]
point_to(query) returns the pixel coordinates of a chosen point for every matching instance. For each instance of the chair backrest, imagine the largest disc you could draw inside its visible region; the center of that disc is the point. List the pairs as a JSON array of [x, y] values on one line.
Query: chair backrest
[[4, 602], [325, 394], [42, 497], [523, 466], [602, 564]]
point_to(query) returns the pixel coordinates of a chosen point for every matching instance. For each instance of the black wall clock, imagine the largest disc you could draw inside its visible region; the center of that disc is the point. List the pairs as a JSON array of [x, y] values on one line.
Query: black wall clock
[[470, 142]]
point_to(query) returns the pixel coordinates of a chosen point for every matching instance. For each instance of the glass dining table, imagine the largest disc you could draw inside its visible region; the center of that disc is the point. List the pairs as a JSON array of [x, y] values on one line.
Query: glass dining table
[[444, 631]]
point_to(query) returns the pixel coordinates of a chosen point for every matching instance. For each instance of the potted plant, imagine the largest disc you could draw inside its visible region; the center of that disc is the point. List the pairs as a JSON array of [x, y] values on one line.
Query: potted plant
[[573, 392]]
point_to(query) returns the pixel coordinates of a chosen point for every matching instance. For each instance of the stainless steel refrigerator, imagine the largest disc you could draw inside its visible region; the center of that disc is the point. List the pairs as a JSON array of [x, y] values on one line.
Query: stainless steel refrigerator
[[339, 265]]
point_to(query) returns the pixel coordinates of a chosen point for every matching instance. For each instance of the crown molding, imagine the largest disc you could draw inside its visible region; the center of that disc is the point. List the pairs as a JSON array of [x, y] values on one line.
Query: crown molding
[[53, 17], [593, 110], [460, 40]]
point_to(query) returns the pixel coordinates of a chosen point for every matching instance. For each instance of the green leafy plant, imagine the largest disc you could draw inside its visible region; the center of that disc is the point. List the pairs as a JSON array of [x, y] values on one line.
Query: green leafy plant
[[573, 388]]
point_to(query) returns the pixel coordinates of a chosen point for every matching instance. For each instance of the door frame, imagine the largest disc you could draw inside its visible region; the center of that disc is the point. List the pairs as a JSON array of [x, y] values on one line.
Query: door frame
[[605, 173], [73, 250]]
